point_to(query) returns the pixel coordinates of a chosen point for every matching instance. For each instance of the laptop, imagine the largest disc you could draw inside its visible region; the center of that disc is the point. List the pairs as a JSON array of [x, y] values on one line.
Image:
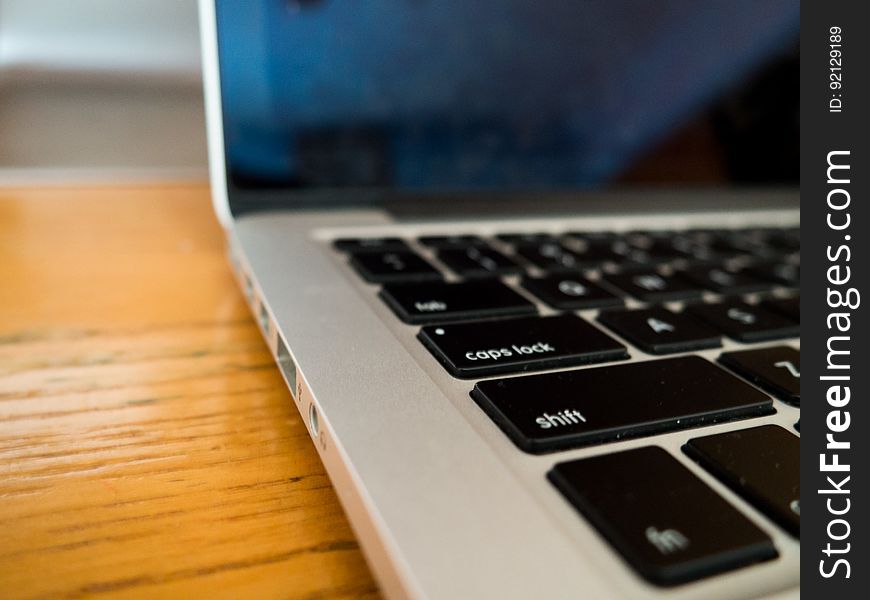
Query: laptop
[[524, 380]]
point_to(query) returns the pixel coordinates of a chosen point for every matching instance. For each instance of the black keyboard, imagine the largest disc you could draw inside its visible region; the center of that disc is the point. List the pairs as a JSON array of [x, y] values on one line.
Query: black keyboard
[[502, 311]]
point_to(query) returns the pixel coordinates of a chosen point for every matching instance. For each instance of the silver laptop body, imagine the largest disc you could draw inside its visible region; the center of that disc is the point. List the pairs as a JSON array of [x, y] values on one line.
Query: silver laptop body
[[444, 503]]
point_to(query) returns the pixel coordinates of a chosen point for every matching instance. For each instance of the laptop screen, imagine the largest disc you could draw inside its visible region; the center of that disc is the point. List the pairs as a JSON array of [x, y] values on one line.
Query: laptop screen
[[491, 94]]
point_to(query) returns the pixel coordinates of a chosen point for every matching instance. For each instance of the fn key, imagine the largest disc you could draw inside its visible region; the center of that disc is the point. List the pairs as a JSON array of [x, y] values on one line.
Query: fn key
[[668, 524]]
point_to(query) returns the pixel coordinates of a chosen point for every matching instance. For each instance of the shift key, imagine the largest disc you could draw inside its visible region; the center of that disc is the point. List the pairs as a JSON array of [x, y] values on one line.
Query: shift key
[[481, 348], [551, 411]]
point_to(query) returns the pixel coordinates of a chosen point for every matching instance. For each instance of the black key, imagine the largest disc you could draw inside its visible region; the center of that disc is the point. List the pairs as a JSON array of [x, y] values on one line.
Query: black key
[[789, 307], [724, 282], [742, 243], [594, 237], [660, 331], [570, 292], [731, 244], [777, 272], [543, 413], [482, 348], [525, 238], [776, 369], [393, 266], [370, 244], [762, 464], [633, 258], [436, 302], [475, 261], [706, 233], [660, 248], [596, 254], [744, 322], [652, 287], [664, 521], [550, 256], [642, 250], [787, 240], [697, 253], [442, 242], [652, 234]]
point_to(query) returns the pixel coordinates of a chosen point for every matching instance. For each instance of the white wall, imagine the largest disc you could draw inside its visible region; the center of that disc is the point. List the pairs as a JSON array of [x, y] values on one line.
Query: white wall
[[100, 86]]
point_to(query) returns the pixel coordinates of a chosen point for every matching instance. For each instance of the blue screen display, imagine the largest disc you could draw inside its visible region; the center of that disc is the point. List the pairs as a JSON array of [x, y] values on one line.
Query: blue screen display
[[482, 94]]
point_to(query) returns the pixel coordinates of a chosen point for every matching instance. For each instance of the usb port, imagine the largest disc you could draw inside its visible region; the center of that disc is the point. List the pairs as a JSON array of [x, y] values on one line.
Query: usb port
[[264, 318], [287, 366]]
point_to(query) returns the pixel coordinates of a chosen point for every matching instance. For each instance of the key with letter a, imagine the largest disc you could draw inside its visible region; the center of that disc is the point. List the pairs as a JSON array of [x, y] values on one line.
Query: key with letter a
[[660, 331]]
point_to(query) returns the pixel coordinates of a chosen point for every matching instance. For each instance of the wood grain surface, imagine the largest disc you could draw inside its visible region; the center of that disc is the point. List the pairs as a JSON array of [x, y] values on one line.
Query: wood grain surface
[[148, 446]]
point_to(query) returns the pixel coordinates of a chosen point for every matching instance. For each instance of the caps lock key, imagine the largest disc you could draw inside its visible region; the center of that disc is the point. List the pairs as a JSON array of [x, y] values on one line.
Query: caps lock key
[[470, 350]]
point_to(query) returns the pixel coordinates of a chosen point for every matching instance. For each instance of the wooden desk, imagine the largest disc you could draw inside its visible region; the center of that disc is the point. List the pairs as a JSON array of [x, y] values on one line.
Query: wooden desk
[[148, 446]]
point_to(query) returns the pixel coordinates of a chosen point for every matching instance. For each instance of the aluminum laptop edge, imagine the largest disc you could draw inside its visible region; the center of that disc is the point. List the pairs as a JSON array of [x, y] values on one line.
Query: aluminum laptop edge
[[442, 502]]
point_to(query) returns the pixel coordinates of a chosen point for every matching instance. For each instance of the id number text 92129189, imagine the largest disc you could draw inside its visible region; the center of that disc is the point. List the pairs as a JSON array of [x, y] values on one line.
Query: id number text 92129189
[[835, 69]]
